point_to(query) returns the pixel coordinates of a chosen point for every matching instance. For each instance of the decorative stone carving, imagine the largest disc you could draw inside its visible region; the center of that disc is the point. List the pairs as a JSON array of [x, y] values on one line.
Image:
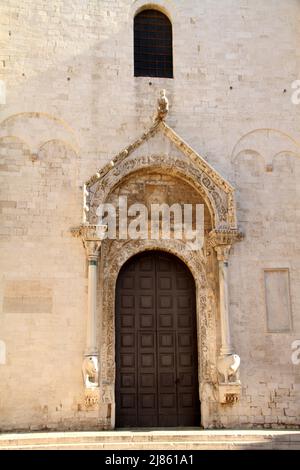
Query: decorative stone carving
[[217, 192], [90, 371], [163, 106], [122, 155], [222, 239], [229, 394], [220, 378], [223, 252], [91, 398], [228, 363], [107, 394], [85, 207], [228, 368], [115, 254], [214, 197], [92, 236], [89, 232]]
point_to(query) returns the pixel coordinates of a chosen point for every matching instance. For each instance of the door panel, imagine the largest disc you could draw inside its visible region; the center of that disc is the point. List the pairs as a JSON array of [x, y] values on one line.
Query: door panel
[[156, 344]]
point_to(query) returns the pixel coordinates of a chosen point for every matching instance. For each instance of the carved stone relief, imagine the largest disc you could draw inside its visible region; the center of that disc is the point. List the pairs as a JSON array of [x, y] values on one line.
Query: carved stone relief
[[187, 168]]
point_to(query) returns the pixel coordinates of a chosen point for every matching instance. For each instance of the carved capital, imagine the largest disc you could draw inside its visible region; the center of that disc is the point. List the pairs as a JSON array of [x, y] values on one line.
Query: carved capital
[[224, 237], [92, 236], [222, 240], [92, 249], [223, 252], [89, 231]]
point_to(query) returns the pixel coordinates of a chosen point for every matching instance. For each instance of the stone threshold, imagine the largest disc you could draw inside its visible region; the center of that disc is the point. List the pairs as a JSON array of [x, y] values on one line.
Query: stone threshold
[[153, 439]]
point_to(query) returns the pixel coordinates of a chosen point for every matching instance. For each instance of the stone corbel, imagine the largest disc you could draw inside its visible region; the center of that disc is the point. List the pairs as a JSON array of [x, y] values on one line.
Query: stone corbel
[[228, 363], [92, 236], [91, 398], [224, 237], [229, 394]]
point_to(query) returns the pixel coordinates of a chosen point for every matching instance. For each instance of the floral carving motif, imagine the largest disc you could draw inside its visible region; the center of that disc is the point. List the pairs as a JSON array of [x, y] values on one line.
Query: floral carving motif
[[115, 254], [218, 195], [215, 198]]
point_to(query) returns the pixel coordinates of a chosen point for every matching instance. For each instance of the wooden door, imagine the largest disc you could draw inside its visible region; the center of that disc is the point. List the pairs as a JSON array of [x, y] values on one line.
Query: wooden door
[[156, 343]]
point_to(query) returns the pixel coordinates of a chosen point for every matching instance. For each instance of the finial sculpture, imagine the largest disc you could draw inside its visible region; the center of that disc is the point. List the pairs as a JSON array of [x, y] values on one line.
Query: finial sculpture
[[163, 106]]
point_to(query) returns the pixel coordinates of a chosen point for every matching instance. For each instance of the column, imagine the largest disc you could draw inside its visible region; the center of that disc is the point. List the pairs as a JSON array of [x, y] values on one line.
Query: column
[[222, 255], [92, 236], [228, 362], [92, 250]]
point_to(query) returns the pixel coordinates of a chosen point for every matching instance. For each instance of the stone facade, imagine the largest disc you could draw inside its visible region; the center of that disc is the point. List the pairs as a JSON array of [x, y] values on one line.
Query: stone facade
[[72, 107]]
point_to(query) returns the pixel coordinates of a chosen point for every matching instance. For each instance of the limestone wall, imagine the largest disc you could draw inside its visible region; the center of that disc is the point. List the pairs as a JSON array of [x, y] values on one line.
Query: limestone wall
[[72, 102]]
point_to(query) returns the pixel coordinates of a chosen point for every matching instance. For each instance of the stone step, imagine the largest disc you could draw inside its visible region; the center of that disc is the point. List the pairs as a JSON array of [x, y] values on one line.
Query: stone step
[[152, 440]]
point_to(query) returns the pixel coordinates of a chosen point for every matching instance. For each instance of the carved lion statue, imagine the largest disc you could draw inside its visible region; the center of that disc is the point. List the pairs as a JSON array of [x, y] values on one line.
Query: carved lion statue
[[228, 367], [90, 371]]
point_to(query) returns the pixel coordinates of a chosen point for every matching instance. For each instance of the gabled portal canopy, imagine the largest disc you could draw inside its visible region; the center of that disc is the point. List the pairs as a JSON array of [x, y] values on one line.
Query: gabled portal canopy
[[185, 163]]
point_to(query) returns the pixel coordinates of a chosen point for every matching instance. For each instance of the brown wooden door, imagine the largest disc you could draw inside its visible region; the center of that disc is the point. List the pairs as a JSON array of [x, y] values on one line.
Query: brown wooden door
[[156, 343]]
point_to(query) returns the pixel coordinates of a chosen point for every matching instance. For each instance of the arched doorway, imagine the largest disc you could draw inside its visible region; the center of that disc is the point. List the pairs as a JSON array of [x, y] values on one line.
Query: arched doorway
[[156, 343]]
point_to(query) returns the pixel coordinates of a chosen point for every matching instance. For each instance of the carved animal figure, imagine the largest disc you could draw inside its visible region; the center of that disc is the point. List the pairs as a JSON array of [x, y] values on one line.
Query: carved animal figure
[[228, 367], [163, 106], [90, 371]]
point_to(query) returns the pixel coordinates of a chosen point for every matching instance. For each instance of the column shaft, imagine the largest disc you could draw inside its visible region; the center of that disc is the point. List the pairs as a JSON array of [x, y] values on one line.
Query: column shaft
[[91, 339], [226, 347]]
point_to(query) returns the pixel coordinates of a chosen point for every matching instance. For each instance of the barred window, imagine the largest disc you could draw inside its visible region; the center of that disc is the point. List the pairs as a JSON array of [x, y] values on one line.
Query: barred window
[[152, 45]]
